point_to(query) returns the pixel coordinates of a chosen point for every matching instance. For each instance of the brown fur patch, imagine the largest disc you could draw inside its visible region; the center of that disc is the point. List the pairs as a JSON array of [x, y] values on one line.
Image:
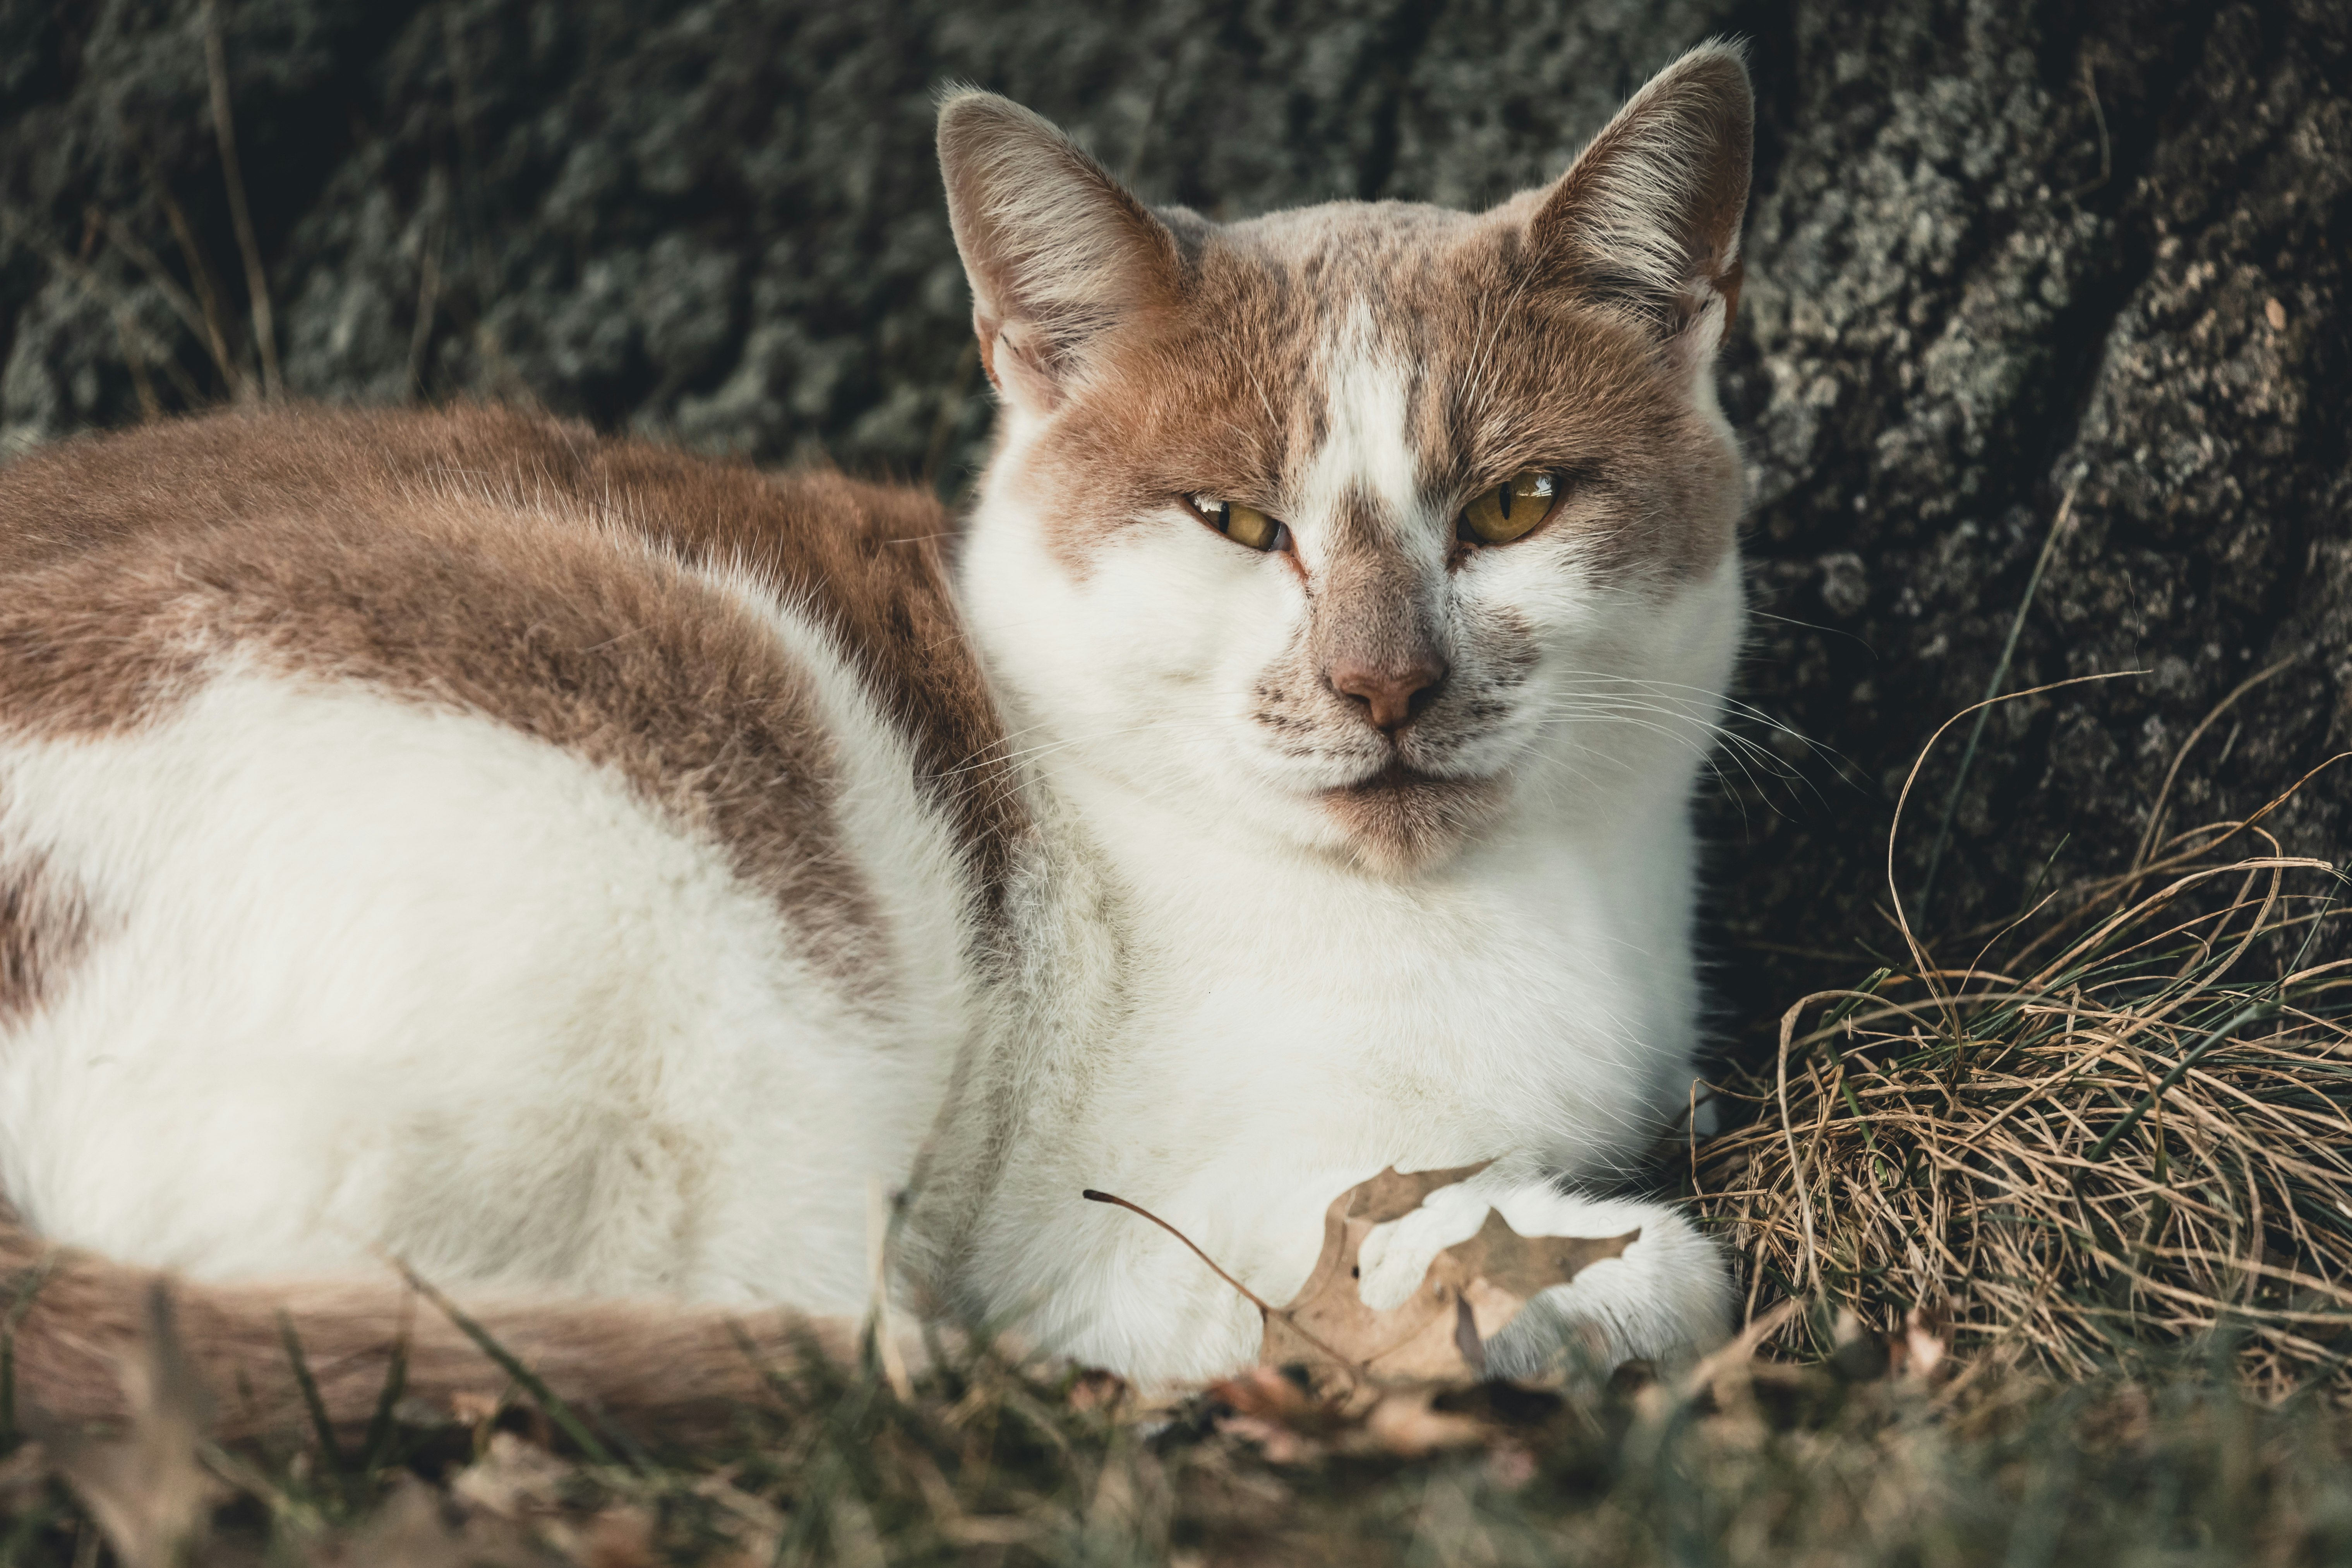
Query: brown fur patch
[[1513, 367], [45, 925], [80, 1321], [500, 563], [1509, 367]]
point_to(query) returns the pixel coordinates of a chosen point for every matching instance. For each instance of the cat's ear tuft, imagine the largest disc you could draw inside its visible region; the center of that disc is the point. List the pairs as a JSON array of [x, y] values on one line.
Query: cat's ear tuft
[[1057, 252], [1646, 220]]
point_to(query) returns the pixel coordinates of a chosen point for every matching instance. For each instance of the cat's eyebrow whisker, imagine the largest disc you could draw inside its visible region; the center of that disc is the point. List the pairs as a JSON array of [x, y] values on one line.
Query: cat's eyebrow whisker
[[1479, 382], [1472, 373], [1273, 421]]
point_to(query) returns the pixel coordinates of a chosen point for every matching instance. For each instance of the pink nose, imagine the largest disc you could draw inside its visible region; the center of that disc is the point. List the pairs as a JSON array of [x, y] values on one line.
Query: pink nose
[[1391, 693]]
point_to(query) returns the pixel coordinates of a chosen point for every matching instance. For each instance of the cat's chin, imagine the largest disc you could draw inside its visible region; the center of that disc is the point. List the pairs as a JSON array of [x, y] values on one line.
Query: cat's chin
[[1403, 820]]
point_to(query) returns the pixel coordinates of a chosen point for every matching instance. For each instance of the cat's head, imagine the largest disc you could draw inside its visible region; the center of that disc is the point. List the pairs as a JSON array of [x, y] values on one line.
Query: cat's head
[[1366, 524]]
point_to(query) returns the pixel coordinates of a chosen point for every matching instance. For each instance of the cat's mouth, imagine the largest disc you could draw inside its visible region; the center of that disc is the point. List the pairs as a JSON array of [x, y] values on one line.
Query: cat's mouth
[[1397, 775], [1400, 817]]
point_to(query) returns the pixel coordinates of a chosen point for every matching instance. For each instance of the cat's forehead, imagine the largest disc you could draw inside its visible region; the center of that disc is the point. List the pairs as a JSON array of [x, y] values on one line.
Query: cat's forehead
[[1367, 237], [1314, 277], [1360, 369], [1297, 325]]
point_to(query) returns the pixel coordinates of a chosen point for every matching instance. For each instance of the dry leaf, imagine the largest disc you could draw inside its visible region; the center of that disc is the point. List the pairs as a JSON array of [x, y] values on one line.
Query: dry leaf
[[764, 1523], [1927, 1340], [410, 1531], [151, 1496], [513, 1480], [1291, 1425], [1377, 1371], [1098, 1390], [1913, 1355], [620, 1537], [1407, 1422], [522, 1483], [1471, 1290], [470, 1409], [1294, 1426]]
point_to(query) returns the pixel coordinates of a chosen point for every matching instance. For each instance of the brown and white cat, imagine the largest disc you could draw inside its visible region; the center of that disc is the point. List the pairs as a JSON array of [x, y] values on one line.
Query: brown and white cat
[[575, 867]]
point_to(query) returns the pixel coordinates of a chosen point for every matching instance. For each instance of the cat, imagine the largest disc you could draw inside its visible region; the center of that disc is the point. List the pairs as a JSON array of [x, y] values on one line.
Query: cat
[[582, 872]]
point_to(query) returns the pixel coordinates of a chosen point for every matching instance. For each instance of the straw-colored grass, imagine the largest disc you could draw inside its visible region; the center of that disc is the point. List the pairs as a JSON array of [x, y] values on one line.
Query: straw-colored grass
[[2124, 1121]]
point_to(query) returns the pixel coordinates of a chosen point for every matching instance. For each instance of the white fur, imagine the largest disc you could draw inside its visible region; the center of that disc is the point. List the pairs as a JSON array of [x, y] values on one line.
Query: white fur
[[1364, 387], [368, 975], [1290, 1024]]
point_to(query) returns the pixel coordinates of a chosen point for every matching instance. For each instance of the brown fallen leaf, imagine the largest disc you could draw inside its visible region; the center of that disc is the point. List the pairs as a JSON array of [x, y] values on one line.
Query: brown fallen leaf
[[512, 1479], [409, 1531], [1290, 1424], [1470, 1291], [1407, 1422], [1911, 1355], [523, 1484], [1926, 1341]]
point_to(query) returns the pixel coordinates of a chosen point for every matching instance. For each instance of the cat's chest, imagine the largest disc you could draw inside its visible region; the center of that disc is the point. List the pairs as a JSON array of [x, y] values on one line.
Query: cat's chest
[[1524, 1001]]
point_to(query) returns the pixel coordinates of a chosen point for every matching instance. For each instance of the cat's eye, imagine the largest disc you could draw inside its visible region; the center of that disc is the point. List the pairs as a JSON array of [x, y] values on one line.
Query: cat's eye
[[1242, 524], [1499, 515]]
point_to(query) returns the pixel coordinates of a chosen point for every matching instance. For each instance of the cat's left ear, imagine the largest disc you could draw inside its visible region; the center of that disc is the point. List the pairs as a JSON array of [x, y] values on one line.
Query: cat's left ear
[[1057, 252], [1646, 222]]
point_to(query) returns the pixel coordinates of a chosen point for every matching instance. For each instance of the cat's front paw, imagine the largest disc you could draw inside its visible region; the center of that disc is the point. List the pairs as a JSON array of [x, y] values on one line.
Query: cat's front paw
[[1666, 1299]]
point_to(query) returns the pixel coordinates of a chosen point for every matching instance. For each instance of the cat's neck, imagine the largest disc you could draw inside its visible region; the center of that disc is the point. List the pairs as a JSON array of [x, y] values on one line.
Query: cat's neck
[[1152, 936], [1177, 868]]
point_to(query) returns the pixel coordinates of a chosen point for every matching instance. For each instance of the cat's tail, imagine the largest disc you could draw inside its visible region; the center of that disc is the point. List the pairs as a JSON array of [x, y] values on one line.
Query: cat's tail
[[86, 1340]]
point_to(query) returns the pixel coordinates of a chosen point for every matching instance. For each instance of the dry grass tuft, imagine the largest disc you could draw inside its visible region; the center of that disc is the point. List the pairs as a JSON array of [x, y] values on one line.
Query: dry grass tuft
[[2125, 1123]]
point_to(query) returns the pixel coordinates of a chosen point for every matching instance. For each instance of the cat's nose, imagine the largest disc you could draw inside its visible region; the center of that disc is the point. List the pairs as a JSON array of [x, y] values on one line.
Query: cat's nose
[[1393, 693]]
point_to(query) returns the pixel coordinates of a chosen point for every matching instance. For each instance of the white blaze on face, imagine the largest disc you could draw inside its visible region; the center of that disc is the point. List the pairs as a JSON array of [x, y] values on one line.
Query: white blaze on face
[[1367, 446]]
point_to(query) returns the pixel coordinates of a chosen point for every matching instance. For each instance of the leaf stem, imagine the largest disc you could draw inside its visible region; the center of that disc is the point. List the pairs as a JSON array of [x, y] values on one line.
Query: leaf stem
[[1254, 1299], [1093, 1196]]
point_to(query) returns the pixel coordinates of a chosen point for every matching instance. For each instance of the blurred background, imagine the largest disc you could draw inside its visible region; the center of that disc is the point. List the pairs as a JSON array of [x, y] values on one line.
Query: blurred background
[[2011, 265]]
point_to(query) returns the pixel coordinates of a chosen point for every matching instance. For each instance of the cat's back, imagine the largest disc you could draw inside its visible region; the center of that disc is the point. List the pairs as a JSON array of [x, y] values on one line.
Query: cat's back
[[281, 529], [412, 807]]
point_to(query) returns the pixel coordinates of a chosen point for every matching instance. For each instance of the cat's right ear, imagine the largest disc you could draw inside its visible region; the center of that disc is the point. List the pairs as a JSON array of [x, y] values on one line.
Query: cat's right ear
[[1057, 252], [1646, 222]]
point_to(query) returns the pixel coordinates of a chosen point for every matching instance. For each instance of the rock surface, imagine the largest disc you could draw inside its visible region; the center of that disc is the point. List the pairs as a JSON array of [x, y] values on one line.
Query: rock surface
[[1999, 256]]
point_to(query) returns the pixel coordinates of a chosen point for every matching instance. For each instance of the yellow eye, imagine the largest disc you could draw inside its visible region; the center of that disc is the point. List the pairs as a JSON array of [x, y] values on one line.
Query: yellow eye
[[1242, 524], [1503, 513]]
